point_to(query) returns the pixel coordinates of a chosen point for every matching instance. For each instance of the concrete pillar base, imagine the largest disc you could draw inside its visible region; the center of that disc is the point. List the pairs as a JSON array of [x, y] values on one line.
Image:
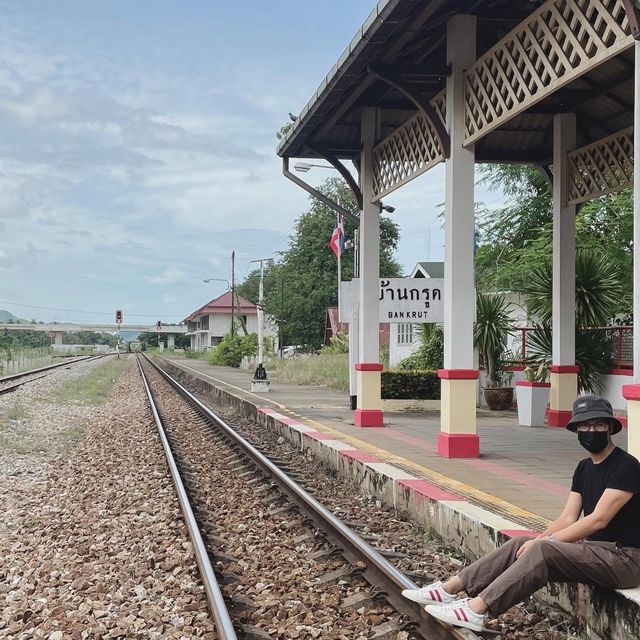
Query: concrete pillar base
[[369, 404], [368, 418], [458, 438], [458, 445], [631, 393], [562, 395]]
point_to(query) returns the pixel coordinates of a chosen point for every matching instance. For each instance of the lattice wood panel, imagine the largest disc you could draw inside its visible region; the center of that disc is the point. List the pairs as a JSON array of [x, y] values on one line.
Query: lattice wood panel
[[410, 150], [560, 41], [603, 167]]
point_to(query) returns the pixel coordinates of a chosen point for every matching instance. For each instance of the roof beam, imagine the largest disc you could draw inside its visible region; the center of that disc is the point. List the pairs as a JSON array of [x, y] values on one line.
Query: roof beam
[[393, 76]]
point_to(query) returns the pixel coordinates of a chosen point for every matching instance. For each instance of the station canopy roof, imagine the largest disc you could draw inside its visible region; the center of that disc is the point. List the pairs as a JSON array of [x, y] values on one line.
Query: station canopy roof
[[409, 36]]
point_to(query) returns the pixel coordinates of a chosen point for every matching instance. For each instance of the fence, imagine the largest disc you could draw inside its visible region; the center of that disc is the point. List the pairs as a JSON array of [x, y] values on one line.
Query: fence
[[620, 341]]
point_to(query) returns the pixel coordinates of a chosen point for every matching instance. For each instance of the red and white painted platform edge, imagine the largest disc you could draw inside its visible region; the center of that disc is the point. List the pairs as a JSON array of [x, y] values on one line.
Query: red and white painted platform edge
[[411, 487]]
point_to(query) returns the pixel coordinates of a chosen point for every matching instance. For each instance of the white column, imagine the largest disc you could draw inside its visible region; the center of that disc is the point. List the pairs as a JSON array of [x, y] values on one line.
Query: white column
[[58, 337], [171, 341], [353, 357], [631, 392], [564, 373], [459, 284], [636, 219], [369, 404], [369, 246], [458, 438]]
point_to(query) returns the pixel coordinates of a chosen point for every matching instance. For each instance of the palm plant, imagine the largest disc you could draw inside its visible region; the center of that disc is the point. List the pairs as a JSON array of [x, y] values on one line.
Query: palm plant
[[490, 333], [599, 291]]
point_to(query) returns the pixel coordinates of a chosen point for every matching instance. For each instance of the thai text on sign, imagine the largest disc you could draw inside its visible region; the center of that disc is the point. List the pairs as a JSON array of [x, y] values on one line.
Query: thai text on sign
[[399, 300]]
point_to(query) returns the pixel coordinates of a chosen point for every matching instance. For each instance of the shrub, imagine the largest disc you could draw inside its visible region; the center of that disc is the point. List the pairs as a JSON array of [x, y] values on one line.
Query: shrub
[[338, 343], [231, 349], [430, 353], [410, 385]]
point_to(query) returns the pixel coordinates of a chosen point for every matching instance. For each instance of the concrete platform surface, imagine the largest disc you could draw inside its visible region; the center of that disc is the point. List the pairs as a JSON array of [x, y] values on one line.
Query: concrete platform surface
[[528, 468]]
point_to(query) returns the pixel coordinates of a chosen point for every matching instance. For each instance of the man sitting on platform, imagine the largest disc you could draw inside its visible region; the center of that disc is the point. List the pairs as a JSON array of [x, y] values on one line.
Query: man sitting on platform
[[601, 549]]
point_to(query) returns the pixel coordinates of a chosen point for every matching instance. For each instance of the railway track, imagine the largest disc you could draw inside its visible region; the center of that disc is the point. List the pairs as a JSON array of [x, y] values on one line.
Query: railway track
[[345, 568], [19, 378]]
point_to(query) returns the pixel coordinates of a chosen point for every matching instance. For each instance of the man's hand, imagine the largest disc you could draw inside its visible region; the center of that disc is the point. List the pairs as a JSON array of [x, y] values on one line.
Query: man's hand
[[526, 546]]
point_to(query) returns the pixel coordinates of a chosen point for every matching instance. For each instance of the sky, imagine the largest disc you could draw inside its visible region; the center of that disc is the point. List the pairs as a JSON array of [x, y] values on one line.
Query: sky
[[137, 150]]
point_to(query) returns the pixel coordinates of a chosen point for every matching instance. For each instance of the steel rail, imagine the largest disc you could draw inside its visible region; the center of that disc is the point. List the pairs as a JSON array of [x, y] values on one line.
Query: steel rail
[[379, 571], [48, 371], [217, 605]]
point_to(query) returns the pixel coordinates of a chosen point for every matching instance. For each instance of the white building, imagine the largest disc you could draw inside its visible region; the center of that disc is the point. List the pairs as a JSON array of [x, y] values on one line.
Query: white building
[[403, 340], [207, 325]]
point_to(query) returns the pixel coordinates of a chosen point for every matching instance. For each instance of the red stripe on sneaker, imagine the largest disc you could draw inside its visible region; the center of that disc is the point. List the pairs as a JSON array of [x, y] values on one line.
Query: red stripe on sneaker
[[464, 615], [435, 595], [457, 614]]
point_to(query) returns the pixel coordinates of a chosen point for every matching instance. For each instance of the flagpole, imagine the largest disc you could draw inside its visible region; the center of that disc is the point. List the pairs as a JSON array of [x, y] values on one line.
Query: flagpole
[[339, 281]]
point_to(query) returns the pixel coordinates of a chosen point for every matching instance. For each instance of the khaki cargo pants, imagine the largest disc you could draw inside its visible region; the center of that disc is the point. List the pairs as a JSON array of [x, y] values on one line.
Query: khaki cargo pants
[[503, 580]]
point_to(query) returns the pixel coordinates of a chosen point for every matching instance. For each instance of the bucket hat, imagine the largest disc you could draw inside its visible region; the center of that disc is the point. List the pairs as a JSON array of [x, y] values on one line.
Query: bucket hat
[[588, 408]]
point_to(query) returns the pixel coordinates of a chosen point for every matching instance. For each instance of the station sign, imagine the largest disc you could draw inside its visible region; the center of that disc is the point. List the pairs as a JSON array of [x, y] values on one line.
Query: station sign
[[400, 300]]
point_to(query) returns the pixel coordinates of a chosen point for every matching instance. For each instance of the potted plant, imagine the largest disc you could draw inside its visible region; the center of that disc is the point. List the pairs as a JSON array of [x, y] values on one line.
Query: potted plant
[[533, 396], [490, 338]]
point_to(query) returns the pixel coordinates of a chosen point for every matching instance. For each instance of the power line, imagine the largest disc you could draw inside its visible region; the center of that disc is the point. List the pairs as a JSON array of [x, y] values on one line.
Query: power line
[[95, 313]]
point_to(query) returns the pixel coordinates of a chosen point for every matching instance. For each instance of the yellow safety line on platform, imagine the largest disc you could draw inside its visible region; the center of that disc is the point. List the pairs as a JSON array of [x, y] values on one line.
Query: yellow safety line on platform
[[455, 486]]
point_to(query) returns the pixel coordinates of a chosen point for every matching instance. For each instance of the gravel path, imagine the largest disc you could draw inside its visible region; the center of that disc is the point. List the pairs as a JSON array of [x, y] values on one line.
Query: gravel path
[[93, 545]]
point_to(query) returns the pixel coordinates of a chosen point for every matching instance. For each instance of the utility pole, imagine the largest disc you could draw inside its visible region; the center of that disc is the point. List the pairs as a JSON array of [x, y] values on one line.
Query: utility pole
[[233, 293], [260, 381]]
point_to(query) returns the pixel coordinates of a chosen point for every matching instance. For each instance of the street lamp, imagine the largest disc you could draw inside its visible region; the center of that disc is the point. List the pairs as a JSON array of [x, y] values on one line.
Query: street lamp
[[386, 207], [218, 280], [303, 167]]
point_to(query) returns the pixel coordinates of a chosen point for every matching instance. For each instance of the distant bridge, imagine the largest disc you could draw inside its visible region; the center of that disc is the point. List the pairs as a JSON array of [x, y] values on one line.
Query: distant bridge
[[58, 329]]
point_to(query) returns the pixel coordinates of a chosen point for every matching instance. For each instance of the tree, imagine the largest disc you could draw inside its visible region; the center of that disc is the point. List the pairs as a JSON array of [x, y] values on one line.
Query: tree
[[599, 288], [303, 283], [513, 241]]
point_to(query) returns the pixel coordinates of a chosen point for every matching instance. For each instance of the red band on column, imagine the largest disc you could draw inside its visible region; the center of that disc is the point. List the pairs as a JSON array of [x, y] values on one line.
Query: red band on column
[[368, 418], [458, 374], [458, 445], [368, 366], [557, 418], [631, 391], [564, 368]]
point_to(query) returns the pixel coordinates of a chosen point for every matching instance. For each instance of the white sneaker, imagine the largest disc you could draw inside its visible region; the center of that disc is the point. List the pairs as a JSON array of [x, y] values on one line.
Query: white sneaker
[[458, 614], [432, 594]]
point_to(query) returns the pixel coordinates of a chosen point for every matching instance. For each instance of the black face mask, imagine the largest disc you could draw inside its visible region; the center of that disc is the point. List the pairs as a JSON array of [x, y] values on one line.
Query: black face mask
[[593, 441]]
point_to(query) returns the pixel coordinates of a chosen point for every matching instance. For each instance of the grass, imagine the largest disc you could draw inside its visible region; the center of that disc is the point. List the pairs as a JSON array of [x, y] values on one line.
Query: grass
[[92, 389], [325, 369], [14, 434], [19, 359]]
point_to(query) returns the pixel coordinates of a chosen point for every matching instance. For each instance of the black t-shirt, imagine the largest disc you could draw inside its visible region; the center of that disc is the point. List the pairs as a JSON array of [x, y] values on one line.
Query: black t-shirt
[[619, 470]]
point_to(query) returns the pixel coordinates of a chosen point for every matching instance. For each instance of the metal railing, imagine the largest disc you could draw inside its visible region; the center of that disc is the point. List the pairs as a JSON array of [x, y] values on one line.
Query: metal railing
[[620, 341]]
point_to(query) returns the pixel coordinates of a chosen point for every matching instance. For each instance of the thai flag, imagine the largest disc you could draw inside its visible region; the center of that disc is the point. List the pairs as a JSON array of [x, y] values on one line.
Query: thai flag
[[337, 237]]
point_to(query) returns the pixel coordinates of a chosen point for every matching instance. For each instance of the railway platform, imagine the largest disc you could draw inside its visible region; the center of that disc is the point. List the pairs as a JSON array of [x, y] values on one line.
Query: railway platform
[[518, 484]]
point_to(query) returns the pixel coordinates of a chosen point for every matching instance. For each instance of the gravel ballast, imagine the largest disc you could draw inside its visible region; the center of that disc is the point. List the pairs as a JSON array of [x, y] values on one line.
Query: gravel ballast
[[94, 545]]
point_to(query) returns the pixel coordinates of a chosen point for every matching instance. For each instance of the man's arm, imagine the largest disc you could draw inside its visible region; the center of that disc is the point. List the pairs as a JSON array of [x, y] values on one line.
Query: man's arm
[[570, 514], [611, 501]]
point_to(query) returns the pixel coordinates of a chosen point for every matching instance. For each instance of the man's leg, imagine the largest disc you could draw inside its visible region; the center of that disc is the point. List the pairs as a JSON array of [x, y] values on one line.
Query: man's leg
[[594, 563], [477, 576]]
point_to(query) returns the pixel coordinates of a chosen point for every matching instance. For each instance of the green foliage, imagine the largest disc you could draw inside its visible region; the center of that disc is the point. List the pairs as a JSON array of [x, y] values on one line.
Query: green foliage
[[231, 349], [339, 343], [430, 353], [324, 369], [89, 337], [599, 289], [490, 333], [303, 283], [410, 385], [514, 240]]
